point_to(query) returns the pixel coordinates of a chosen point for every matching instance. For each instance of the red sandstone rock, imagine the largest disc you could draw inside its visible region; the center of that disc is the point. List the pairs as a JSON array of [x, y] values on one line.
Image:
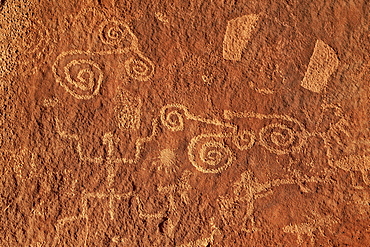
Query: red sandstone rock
[[184, 123]]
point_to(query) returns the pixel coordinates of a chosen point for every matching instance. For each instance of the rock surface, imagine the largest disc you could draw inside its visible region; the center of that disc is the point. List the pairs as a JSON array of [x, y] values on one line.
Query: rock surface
[[185, 123]]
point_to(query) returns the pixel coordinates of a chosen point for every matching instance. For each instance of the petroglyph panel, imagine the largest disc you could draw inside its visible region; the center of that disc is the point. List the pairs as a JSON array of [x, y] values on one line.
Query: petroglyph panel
[[184, 123]]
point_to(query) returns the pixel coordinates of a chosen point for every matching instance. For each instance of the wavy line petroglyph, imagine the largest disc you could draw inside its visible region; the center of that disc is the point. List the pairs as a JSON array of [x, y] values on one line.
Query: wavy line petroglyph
[[109, 141], [238, 33], [322, 65]]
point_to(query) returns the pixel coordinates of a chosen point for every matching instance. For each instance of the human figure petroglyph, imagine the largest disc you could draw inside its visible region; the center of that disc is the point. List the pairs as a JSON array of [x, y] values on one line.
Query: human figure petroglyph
[[245, 192]]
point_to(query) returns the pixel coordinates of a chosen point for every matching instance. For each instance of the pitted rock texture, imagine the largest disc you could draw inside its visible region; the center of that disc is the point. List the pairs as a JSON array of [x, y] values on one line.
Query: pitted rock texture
[[184, 123]]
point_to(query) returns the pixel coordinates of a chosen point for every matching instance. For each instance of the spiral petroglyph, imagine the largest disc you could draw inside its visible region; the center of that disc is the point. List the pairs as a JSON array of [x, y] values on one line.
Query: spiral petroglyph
[[139, 67], [280, 139], [172, 117], [209, 154], [82, 78], [117, 33]]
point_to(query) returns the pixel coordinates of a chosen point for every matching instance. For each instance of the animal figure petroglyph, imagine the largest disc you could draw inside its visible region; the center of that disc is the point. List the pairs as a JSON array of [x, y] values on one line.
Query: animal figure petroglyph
[[309, 228], [246, 191], [240, 206]]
